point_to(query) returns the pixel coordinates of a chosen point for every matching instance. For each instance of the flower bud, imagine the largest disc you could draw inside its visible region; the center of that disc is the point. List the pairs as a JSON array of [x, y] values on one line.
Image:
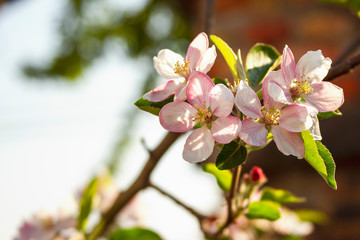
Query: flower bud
[[257, 175]]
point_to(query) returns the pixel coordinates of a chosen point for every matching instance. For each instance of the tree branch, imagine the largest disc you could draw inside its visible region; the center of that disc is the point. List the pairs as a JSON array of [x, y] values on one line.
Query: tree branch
[[198, 216], [140, 183], [343, 67]]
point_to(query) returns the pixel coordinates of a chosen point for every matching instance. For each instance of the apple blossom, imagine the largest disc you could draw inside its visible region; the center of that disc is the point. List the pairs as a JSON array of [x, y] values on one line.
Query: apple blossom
[[304, 80], [284, 123], [174, 67], [210, 107]]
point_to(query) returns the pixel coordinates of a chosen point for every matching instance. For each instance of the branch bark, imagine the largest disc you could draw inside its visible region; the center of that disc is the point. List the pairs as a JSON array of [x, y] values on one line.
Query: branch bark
[[343, 67], [140, 183]]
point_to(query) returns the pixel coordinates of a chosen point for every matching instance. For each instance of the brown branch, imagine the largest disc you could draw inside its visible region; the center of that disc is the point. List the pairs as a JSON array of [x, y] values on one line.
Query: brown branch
[[344, 67], [140, 183], [352, 46], [198, 216], [209, 19]]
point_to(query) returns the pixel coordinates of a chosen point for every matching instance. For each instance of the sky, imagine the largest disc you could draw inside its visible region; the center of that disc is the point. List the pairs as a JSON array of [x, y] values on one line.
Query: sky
[[54, 136]]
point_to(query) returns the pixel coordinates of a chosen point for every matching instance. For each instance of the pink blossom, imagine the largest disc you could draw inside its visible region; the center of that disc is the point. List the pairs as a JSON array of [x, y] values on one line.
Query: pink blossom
[[210, 107], [304, 80], [284, 123], [177, 69], [257, 174]]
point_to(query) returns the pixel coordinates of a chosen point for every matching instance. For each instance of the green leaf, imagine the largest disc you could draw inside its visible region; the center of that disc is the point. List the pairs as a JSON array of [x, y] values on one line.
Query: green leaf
[[308, 215], [227, 53], [86, 203], [263, 209], [323, 115], [292, 237], [231, 155], [152, 107], [223, 177], [240, 66], [261, 59], [220, 80], [280, 196], [134, 234], [317, 155]]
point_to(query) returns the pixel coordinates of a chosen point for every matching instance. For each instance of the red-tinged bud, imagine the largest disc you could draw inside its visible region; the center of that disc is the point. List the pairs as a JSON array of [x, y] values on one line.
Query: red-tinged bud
[[257, 174]]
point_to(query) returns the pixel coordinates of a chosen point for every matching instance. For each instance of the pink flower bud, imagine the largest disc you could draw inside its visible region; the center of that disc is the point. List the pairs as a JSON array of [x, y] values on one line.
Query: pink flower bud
[[257, 174]]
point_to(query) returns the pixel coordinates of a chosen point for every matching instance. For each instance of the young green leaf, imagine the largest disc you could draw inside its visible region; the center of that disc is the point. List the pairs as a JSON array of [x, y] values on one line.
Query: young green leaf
[[322, 115], [308, 215], [261, 59], [220, 80], [134, 233], [319, 158], [227, 53], [152, 107], [231, 155], [223, 177], [292, 237], [280, 196], [264, 210], [86, 203], [240, 66]]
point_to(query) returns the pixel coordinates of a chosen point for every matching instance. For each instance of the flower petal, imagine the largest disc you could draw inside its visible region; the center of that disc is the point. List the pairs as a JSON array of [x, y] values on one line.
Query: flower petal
[[247, 101], [207, 60], [177, 116], [198, 88], [297, 117], [221, 101], [199, 145], [274, 87], [180, 93], [225, 129], [288, 143], [196, 49], [315, 128], [165, 62], [163, 91], [313, 66], [325, 97], [253, 133], [288, 65]]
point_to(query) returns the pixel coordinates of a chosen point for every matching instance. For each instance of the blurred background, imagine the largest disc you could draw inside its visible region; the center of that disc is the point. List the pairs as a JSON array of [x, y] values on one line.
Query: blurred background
[[70, 72]]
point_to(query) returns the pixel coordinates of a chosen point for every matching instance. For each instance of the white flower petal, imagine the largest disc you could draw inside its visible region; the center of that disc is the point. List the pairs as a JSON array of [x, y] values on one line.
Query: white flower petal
[[247, 101], [315, 128], [297, 117], [221, 100], [165, 62], [180, 93], [163, 91], [196, 50], [325, 97], [253, 133], [288, 143], [199, 145], [274, 90], [225, 129], [207, 60], [198, 89], [177, 116], [313, 66], [288, 65]]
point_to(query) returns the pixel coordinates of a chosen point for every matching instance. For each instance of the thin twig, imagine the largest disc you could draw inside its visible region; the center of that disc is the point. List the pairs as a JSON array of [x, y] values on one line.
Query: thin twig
[[209, 19], [344, 67], [199, 216], [354, 44], [141, 182]]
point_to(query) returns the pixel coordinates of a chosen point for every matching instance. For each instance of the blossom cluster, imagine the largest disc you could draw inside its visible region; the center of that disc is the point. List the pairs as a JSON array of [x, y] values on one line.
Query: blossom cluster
[[292, 98]]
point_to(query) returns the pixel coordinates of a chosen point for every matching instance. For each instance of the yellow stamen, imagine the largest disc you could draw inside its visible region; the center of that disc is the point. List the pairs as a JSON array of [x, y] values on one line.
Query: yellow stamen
[[203, 114], [182, 69], [271, 115], [301, 87]]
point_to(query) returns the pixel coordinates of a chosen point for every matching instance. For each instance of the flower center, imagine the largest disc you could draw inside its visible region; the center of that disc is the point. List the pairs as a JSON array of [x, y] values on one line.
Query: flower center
[[182, 69], [271, 115], [300, 87], [203, 114]]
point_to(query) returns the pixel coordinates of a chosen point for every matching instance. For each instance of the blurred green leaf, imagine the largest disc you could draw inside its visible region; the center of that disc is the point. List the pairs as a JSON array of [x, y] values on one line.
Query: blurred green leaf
[[86, 203], [308, 215], [322, 115], [280, 196], [231, 155], [240, 67], [292, 237], [152, 107], [223, 177], [134, 234], [261, 59], [263, 210], [220, 80], [319, 158], [354, 5], [227, 53]]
